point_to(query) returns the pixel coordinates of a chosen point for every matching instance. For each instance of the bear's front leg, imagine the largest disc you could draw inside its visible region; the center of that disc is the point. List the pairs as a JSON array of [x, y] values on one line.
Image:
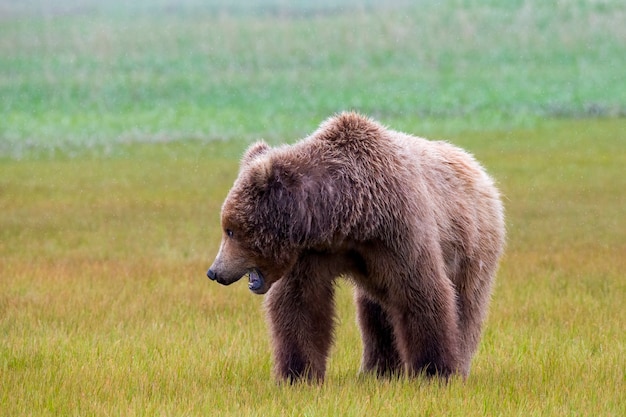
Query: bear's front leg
[[300, 309], [380, 354]]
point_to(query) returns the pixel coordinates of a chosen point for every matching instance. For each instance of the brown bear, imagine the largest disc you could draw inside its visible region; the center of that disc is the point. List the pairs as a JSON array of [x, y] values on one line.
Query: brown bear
[[416, 225]]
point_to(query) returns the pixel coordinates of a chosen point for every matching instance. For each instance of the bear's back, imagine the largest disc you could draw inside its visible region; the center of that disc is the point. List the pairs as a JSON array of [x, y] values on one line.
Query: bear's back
[[466, 202]]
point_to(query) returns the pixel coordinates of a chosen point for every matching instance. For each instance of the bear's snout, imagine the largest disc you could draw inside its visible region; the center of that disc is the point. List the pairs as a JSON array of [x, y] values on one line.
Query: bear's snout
[[211, 274], [222, 275], [220, 278]]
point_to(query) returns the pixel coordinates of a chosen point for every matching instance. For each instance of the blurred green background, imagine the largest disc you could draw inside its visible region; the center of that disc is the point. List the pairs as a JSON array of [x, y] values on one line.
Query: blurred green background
[[88, 74]]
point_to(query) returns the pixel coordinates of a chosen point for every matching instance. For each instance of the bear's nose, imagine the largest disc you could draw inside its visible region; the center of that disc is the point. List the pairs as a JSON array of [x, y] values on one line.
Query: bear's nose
[[211, 274]]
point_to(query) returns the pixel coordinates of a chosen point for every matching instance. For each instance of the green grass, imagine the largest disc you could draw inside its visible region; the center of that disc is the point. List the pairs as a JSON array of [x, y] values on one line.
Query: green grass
[[105, 308], [78, 74], [113, 171]]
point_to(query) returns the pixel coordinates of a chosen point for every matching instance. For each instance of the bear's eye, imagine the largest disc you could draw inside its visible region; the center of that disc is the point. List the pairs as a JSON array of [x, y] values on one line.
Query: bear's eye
[[229, 233]]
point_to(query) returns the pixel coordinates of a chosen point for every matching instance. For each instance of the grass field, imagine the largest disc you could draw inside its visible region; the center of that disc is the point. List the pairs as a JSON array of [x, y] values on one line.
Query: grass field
[[120, 132], [76, 74]]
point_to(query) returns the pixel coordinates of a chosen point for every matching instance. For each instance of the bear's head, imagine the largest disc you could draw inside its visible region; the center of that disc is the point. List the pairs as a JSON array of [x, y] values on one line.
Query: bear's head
[[266, 220]]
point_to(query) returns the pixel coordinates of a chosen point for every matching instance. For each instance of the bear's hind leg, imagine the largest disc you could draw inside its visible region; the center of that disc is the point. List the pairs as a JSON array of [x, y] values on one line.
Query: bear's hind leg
[[380, 355], [426, 327], [426, 348], [300, 308], [474, 282]]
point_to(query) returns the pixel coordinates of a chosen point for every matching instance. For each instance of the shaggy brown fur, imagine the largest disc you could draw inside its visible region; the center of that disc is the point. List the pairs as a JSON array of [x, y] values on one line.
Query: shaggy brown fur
[[416, 225]]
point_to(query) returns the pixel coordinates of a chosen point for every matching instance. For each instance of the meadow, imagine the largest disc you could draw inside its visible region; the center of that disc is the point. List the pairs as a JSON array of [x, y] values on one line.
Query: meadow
[[121, 127]]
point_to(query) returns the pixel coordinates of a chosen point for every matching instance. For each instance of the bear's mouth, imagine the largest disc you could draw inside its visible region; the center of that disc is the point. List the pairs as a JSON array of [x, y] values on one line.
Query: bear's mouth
[[256, 282]]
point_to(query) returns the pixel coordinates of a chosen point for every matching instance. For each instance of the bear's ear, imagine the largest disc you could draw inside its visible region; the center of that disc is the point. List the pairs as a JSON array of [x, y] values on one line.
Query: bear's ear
[[286, 203], [298, 203], [273, 179], [255, 150]]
